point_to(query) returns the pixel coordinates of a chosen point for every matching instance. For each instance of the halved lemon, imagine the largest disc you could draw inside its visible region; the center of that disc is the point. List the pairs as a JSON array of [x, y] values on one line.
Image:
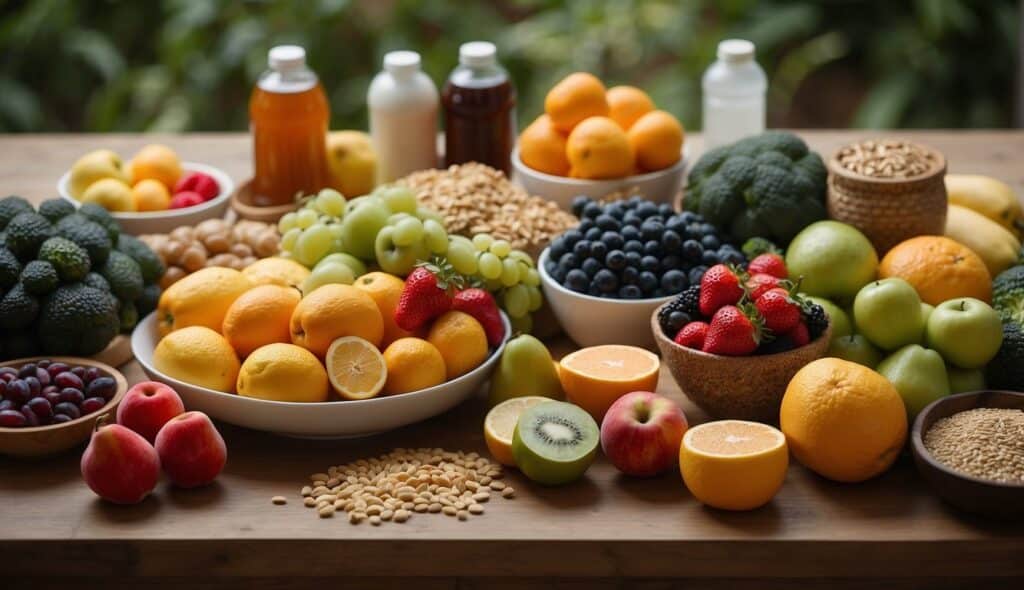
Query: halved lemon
[[733, 464], [593, 378], [356, 368], [500, 424]]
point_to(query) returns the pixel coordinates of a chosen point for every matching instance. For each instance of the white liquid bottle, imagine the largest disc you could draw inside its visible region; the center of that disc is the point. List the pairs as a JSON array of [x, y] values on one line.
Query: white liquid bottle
[[734, 89], [403, 103]]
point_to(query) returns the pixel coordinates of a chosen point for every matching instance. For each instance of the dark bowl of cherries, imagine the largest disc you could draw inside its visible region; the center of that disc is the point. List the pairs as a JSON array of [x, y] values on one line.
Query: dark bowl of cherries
[[49, 405]]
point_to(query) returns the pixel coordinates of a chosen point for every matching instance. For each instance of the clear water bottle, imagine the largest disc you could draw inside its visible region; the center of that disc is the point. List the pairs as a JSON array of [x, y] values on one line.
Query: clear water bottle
[[734, 90]]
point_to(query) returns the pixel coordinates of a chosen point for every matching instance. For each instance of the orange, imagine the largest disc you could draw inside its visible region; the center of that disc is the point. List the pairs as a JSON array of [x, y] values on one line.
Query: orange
[[355, 368], [157, 162], [598, 148], [260, 316], [413, 364], [733, 464], [150, 195], [199, 356], [276, 271], [657, 141], [461, 340], [842, 420], [593, 378], [500, 424], [284, 373], [542, 147], [575, 98], [626, 104], [385, 290], [939, 269], [332, 311], [200, 299]]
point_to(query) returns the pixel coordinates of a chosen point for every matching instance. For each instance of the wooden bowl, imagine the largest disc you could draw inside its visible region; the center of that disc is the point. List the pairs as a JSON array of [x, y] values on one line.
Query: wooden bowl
[[736, 387], [968, 493], [242, 204], [39, 441]]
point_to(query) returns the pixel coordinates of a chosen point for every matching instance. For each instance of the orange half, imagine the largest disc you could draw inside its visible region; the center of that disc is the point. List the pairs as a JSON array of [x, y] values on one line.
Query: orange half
[[593, 378], [355, 368]]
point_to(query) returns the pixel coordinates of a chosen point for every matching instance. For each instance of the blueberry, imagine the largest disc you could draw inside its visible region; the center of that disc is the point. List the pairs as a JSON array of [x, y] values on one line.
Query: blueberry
[[646, 209], [616, 210], [633, 246], [568, 261], [707, 229], [633, 259], [710, 258], [571, 237], [676, 321], [558, 274], [584, 225], [693, 252], [577, 280], [676, 224], [632, 219], [550, 265], [694, 230], [630, 275], [606, 280], [710, 242], [613, 240], [615, 260], [598, 250], [650, 263], [593, 291], [630, 233], [647, 282], [592, 210], [608, 223], [592, 234], [674, 281], [696, 274], [688, 217], [635, 201], [652, 230], [591, 266], [671, 241], [731, 257], [652, 248], [671, 262], [630, 292], [557, 248], [581, 249], [578, 203]]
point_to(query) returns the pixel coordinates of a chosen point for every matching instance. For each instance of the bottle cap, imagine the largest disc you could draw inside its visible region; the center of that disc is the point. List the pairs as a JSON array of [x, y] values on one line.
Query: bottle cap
[[477, 53], [735, 50], [401, 63], [287, 57]]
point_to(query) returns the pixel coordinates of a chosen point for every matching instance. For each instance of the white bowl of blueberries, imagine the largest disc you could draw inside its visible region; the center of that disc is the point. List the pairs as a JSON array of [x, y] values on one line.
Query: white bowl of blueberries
[[605, 277]]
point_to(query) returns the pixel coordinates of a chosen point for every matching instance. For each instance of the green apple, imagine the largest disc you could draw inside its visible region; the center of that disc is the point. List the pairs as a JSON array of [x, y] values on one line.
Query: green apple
[[961, 380], [841, 325], [966, 331], [926, 312], [888, 313], [856, 349], [395, 259], [357, 266], [364, 218], [918, 373], [525, 368], [834, 259]]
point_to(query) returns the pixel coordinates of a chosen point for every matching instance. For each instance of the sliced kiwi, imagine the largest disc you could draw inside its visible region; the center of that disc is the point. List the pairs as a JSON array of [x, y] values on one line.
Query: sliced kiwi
[[554, 442]]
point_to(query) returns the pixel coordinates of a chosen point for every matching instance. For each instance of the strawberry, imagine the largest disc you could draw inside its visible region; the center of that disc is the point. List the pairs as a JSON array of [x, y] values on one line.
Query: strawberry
[[799, 334], [781, 311], [427, 294], [734, 331], [770, 263], [759, 283], [721, 285], [186, 199], [197, 182], [480, 304], [692, 335]]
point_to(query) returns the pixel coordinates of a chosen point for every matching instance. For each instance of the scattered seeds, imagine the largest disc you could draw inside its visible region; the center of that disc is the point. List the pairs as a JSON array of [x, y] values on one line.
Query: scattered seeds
[[279, 500], [508, 492], [326, 511], [987, 443]]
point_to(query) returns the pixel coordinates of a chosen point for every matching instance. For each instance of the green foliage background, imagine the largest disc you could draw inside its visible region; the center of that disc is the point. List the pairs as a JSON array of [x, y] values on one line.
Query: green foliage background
[[188, 65]]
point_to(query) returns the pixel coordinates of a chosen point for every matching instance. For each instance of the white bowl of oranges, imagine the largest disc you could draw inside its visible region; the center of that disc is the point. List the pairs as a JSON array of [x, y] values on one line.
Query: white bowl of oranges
[[595, 141], [152, 193], [331, 364]]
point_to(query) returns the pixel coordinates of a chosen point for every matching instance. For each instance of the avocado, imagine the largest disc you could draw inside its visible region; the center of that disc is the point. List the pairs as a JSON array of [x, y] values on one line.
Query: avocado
[[150, 264], [124, 276], [96, 281], [55, 209], [77, 320], [19, 345], [10, 268], [1006, 370], [11, 206], [39, 277], [147, 302], [87, 234], [25, 233], [70, 259], [17, 308], [128, 316], [102, 217]]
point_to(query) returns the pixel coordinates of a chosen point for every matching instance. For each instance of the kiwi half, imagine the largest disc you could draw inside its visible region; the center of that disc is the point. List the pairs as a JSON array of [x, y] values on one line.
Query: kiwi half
[[554, 442]]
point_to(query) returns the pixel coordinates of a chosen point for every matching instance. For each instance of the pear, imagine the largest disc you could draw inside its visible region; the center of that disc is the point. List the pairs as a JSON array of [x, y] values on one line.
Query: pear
[[525, 368], [96, 165], [918, 373], [352, 162]]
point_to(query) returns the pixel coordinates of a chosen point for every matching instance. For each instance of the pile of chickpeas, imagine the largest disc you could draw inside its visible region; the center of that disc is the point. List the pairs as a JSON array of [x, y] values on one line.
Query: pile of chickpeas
[[213, 242]]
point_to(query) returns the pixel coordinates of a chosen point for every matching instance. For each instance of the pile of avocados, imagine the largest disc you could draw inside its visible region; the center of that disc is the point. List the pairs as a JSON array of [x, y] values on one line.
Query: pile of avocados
[[69, 280]]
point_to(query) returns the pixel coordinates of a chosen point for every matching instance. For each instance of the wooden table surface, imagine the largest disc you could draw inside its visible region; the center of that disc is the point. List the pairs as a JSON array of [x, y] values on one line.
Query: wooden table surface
[[591, 534]]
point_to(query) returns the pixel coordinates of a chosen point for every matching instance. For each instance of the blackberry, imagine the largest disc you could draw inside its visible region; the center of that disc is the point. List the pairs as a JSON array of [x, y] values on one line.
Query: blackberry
[[687, 302], [816, 319]]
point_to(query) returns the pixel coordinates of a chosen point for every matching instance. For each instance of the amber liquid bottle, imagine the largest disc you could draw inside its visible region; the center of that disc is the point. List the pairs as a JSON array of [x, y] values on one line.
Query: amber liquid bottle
[[480, 109], [288, 116]]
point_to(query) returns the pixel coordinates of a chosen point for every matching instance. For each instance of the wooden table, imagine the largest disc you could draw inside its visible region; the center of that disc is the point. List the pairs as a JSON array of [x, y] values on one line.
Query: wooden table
[[592, 534]]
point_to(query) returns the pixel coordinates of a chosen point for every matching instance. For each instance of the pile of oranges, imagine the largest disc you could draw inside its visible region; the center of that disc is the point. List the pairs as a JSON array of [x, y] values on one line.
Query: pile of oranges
[[591, 132]]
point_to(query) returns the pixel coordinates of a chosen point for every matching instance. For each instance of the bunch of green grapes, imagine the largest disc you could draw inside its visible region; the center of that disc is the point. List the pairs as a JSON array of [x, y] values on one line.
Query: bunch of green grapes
[[507, 273], [314, 231]]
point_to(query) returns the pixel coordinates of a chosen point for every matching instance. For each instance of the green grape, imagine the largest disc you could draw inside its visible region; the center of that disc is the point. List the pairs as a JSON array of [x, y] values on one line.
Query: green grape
[[394, 218], [490, 265], [462, 256], [328, 273], [482, 242], [335, 229], [313, 244], [501, 248], [306, 218], [522, 325], [330, 202], [493, 285], [531, 278], [509, 272], [536, 299], [399, 199], [521, 257], [426, 213], [407, 231], [517, 301], [289, 238], [435, 237], [287, 222]]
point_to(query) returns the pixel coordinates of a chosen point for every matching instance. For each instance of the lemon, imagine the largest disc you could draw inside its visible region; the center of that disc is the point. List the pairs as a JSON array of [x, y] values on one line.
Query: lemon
[[284, 373], [461, 340], [500, 424], [200, 299], [199, 356], [355, 368]]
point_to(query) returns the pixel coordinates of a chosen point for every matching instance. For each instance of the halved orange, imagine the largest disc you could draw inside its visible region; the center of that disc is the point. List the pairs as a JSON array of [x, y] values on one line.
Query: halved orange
[[356, 368], [500, 423], [593, 378]]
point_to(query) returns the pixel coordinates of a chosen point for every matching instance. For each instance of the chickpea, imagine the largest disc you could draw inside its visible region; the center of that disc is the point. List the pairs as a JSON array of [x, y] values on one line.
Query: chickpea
[[217, 243], [241, 250], [210, 227], [225, 260], [182, 234], [193, 258], [172, 275], [173, 249]]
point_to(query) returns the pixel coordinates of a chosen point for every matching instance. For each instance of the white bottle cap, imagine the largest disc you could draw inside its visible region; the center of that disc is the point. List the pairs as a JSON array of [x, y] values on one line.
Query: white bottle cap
[[287, 57], [735, 50], [401, 63], [477, 53]]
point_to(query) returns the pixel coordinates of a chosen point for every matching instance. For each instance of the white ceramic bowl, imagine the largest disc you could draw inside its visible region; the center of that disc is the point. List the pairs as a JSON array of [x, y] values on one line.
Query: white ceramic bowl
[[162, 222], [591, 321], [333, 419], [661, 187]]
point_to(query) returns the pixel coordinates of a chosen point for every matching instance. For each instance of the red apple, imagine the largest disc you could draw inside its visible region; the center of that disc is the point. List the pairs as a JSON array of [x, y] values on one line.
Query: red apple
[[119, 465], [641, 433], [186, 199], [191, 450], [147, 407]]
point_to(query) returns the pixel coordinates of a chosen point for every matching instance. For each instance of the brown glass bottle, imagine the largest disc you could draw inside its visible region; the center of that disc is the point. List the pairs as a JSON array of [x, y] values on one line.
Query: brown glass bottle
[[480, 109]]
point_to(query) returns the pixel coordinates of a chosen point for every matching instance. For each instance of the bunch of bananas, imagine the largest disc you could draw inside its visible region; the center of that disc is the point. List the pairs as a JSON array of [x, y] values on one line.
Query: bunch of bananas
[[985, 215]]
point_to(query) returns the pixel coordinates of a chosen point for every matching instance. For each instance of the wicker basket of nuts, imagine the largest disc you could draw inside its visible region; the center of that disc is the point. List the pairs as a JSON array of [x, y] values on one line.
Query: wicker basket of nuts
[[889, 189], [214, 242]]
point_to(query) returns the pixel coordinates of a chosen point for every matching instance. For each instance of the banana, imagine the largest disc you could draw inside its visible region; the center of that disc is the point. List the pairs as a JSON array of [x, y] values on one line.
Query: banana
[[996, 246], [986, 195]]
